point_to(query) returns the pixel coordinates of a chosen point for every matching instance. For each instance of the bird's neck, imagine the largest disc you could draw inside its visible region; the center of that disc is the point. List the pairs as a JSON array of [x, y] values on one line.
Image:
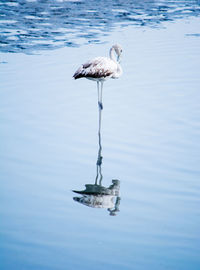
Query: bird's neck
[[112, 55]]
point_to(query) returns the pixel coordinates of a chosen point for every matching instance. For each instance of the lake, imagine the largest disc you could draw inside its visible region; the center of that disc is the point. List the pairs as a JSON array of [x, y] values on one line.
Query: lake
[[128, 197]]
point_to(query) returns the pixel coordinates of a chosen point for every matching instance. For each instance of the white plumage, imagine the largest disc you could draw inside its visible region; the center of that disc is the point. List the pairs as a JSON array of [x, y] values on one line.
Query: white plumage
[[101, 68]]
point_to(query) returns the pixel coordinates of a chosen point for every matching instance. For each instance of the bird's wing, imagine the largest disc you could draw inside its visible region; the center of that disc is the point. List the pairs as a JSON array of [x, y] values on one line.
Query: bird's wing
[[99, 67]]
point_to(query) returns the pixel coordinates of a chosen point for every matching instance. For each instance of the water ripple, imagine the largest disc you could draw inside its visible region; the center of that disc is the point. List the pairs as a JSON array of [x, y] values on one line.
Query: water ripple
[[29, 26]]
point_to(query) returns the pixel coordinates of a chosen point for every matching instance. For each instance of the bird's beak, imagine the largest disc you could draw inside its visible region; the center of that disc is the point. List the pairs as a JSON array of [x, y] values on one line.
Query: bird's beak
[[118, 58]]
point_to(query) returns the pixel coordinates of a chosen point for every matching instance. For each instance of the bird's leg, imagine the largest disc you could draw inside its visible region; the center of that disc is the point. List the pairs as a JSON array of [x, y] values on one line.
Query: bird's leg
[[98, 93], [100, 97]]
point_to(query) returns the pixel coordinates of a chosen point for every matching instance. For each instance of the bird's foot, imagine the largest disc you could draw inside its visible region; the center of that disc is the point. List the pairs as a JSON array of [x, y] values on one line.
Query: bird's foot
[[100, 105]]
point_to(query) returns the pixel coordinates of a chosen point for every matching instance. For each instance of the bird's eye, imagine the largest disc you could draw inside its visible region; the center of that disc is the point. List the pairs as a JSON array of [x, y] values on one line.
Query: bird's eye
[[121, 51]]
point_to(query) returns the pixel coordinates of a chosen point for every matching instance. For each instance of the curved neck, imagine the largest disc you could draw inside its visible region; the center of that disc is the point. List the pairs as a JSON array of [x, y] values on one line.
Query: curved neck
[[112, 54]]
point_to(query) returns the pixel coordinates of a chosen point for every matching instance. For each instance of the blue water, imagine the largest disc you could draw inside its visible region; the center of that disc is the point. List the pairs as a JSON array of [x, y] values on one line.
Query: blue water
[[31, 25], [150, 133]]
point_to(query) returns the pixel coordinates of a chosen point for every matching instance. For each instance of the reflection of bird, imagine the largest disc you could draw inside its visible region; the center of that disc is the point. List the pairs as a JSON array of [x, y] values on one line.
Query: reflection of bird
[[100, 69], [98, 196]]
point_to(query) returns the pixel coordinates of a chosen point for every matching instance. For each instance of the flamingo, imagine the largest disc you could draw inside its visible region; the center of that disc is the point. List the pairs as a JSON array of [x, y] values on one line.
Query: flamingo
[[100, 69]]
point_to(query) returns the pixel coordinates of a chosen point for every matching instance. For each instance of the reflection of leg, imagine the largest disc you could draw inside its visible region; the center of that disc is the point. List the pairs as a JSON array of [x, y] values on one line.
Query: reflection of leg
[[99, 158], [99, 132], [101, 176], [97, 176], [99, 162]]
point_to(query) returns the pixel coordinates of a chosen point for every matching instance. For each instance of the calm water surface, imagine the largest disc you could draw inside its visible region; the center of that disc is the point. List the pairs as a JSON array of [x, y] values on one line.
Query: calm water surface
[[145, 214]]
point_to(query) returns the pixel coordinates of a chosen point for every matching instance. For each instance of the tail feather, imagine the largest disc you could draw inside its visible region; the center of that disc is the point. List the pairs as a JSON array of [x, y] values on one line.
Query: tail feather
[[77, 76]]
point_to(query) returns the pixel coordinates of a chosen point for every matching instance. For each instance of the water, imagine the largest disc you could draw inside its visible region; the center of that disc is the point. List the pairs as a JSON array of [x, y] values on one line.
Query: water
[[149, 138], [32, 25]]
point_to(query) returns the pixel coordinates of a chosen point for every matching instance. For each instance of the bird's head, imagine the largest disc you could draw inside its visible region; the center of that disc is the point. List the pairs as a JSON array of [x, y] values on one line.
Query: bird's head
[[118, 51]]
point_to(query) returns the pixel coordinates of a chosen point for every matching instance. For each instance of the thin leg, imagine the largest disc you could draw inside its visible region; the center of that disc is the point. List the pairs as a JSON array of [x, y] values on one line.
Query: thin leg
[[99, 97], [101, 93], [98, 91]]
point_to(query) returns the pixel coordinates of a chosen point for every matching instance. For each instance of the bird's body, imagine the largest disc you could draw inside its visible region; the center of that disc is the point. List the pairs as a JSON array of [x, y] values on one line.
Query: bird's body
[[100, 69]]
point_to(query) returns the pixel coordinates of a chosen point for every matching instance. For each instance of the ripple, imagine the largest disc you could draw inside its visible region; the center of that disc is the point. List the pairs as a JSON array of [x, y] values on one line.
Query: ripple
[[43, 19]]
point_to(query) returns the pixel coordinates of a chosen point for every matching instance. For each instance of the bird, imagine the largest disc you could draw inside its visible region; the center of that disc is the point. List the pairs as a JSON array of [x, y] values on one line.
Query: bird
[[100, 69]]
